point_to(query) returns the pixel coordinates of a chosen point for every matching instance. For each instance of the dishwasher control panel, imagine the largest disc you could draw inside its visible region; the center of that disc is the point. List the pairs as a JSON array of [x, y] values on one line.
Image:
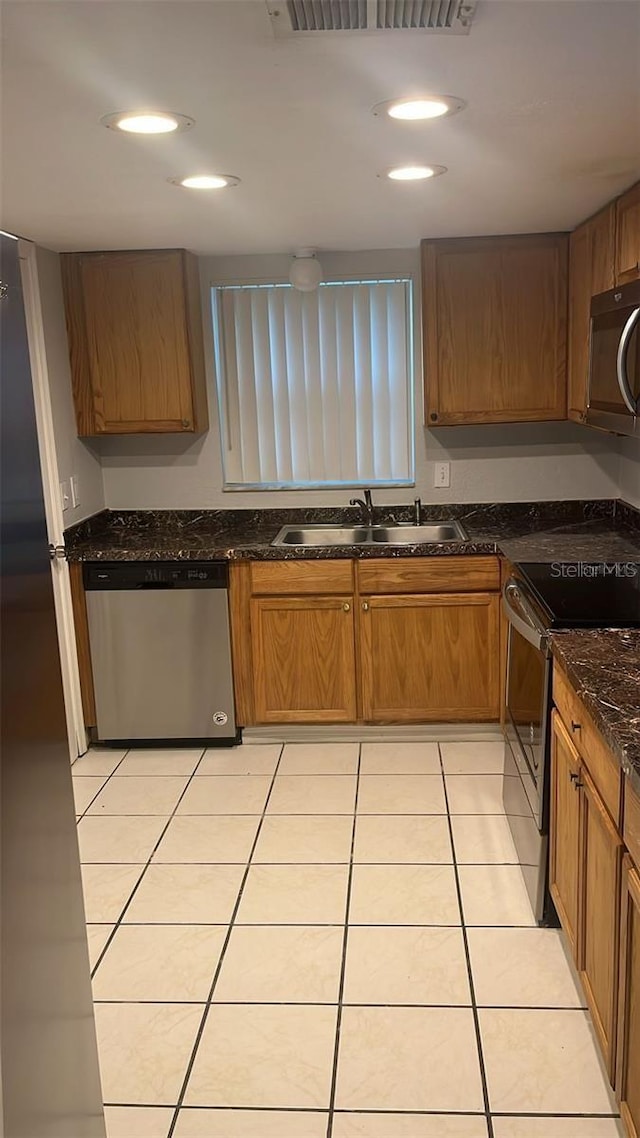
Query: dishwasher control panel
[[155, 575]]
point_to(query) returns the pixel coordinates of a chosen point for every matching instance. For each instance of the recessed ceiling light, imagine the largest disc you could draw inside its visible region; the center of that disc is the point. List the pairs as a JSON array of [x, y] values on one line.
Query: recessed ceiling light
[[147, 122], [206, 181], [419, 108], [414, 173]]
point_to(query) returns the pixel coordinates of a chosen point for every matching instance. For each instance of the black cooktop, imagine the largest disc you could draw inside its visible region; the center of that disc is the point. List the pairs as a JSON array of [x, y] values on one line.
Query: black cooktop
[[580, 594]]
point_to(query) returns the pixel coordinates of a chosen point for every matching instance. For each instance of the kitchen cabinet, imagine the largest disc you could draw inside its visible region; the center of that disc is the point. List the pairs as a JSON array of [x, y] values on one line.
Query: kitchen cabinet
[[134, 326], [431, 657], [564, 867], [303, 653], [628, 1060], [382, 640], [628, 236], [601, 858], [591, 271], [585, 868], [494, 320], [81, 625]]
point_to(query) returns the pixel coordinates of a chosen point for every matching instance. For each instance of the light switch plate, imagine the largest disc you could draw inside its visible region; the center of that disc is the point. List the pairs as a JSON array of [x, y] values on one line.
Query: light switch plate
[[65, 497], [442, 475]]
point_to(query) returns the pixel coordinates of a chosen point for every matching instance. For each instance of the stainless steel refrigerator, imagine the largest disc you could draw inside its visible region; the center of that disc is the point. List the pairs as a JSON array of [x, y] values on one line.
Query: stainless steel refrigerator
[[49, 1064]]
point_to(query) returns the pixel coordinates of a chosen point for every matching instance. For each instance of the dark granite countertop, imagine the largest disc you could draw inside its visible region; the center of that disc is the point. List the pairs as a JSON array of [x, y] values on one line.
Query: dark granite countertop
[[603, 666], [553, 531]]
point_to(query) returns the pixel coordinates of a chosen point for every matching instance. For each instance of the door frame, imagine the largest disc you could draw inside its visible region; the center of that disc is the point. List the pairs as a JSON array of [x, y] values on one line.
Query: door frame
[[76, 730]]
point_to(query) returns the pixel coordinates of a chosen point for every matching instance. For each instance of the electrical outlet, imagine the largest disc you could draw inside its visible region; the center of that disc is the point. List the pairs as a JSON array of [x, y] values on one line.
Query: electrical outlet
[[75, 494], [442, 475], [65, 496]]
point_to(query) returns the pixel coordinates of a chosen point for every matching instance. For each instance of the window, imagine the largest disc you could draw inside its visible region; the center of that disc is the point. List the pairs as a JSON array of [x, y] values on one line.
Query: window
[[315, 389]]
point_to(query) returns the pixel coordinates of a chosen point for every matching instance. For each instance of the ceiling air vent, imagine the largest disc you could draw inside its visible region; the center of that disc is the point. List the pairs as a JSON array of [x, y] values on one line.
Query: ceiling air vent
[[304, 17]]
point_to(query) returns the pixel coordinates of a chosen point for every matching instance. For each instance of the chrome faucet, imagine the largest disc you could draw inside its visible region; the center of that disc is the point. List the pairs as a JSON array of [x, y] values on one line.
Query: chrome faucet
[[366, 506], [417, 512]]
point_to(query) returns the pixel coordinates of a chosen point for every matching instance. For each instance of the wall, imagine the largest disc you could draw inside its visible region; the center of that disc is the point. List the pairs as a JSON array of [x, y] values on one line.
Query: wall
[[519, 462], [74, 456], [629, 472]]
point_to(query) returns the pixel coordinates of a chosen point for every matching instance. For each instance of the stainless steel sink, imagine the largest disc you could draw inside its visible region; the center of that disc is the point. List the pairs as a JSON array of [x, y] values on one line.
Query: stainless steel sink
[[331, 535], [419, 535], [323, 535]]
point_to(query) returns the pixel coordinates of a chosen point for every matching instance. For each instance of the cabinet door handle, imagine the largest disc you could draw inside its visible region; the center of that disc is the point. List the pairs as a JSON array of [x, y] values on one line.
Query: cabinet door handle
[[574, 777], [365, 606], [186, 423], [575, 726], [346, 606]]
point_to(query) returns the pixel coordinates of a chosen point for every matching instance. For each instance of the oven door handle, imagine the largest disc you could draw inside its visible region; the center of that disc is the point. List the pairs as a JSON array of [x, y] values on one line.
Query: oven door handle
[[631, 401], [520, 614]]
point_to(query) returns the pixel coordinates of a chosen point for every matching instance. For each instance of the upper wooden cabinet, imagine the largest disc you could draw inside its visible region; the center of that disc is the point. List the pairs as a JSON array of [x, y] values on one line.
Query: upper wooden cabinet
[[495, 329], [135, 341], [628, 236], [591, 270]]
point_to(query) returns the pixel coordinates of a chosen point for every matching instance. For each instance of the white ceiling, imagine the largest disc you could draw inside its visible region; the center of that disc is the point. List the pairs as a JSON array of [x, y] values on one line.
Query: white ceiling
[[552, 129]]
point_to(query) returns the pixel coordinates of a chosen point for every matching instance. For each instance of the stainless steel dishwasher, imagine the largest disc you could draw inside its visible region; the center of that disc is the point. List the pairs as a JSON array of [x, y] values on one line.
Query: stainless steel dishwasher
[[160, 651]]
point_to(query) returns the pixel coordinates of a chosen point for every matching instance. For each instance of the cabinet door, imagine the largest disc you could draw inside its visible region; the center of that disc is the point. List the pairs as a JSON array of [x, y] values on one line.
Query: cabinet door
[[628, 1061], [135, 342], [601, 857], [628, 236], [495, 329], [591, 270], [429, 657], [564, 869], [303, 659]]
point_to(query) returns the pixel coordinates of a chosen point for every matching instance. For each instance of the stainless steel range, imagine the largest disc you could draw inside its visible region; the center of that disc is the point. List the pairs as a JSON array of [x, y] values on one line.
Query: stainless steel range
[[538, 599]]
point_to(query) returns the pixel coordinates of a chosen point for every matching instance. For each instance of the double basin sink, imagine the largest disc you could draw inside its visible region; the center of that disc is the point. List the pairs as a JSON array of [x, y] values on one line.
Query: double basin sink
[[397, 534]]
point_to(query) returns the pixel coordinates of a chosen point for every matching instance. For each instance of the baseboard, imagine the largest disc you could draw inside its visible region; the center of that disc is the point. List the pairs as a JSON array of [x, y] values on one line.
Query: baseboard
[[352, 733]]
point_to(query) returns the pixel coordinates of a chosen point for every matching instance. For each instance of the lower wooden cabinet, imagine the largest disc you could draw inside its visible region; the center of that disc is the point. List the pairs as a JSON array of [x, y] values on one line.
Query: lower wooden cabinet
[[380, 641], [303, 653], [601, 857], [430, 657], [564, 867], [585, 867], [628, 1062]]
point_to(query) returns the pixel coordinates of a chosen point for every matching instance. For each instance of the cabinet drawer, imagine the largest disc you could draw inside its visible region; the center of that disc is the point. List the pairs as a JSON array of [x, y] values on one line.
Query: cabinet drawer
[[429, 575], [632, 821], [602, 766], [281, 578]]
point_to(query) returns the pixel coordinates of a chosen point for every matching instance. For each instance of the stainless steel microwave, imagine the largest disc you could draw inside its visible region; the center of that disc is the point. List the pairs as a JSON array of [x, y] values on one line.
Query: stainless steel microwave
[[613, 401]]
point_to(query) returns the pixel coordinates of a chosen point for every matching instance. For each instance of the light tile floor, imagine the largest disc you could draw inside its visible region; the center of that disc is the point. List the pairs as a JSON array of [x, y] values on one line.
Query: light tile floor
[[325, 941]]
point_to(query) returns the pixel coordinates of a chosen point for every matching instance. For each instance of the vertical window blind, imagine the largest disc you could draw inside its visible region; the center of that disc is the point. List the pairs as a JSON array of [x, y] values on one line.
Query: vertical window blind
[[315, 388]]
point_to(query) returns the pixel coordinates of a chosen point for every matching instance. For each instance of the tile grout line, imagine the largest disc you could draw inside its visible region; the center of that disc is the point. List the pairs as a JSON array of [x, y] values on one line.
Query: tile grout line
[[348, 1003], [343, 965], [465, 940], [223, 951], [169, 820], [358, 1110], [107, 779]]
